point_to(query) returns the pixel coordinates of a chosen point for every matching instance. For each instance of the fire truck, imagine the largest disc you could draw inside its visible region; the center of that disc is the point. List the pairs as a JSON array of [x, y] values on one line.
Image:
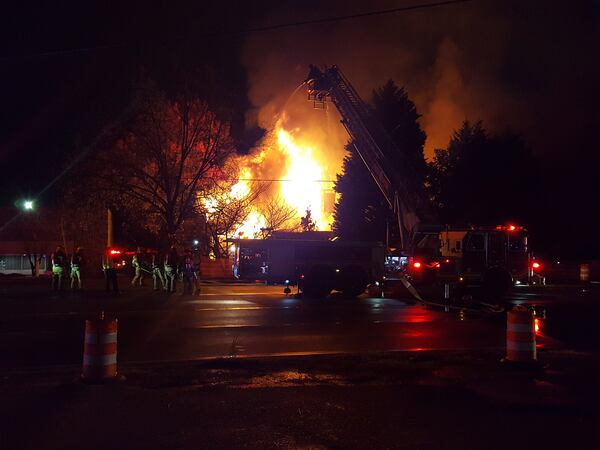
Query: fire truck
[[490, 257], [314, 261]]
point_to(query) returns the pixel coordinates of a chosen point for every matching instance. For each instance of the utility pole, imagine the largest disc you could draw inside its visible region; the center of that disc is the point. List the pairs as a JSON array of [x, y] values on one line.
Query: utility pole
[[109, 228]]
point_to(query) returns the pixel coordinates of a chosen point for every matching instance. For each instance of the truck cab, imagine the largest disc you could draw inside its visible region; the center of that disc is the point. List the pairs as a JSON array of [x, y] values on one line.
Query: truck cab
[[494, 258]]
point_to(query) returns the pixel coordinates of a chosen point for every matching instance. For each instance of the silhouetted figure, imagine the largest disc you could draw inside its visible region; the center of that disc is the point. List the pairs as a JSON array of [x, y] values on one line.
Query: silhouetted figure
[[188, 268], [59, 265], [109, 266], [171, 263], [136, 262], [77, 262], [157, 274]]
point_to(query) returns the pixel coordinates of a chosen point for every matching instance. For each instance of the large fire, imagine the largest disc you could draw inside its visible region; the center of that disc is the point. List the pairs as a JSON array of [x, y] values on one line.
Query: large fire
[[302, 187], [295, 175]]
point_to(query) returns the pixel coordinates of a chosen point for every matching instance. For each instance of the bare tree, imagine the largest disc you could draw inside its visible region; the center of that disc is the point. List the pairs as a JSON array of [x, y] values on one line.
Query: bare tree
[[227, 205], [278, 216], [35, 251], [170, 151]]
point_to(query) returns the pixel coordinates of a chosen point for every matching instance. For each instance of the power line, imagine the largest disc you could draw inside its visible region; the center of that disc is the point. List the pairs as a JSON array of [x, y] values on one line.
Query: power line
[[400, 9], [355, 16], [282, 179]]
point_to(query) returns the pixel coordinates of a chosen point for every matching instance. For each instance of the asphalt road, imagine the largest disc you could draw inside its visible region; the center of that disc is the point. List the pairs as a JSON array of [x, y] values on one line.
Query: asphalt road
[[38, 329]]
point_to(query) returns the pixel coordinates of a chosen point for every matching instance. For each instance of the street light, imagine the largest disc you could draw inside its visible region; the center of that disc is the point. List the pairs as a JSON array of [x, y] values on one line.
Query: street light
[[26, 205]]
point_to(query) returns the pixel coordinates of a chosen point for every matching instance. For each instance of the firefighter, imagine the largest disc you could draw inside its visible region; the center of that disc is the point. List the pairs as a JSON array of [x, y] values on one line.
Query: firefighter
[[188, 269], [171, 266], [157, 273], [59, 263], [136, 262], [76, 265], [109, 266], [197, 264]]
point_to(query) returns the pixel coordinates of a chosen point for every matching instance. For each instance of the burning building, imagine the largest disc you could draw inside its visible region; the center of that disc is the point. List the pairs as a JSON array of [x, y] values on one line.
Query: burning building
[[290, 172]]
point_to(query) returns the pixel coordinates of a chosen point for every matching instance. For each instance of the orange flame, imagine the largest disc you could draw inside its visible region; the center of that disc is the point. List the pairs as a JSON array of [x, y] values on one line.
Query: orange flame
[[301, 188], [297, 174]]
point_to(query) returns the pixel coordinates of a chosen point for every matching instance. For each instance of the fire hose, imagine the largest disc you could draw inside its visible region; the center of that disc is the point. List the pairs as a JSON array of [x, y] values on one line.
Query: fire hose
[[408, 285]]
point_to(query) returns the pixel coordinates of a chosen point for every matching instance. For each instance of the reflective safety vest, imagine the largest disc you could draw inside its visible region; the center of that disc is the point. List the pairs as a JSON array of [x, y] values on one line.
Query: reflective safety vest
[[77, 260], [58, 259]]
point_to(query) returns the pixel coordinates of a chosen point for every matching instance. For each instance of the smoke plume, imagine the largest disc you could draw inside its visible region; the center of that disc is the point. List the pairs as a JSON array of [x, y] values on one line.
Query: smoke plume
[[469, 61]]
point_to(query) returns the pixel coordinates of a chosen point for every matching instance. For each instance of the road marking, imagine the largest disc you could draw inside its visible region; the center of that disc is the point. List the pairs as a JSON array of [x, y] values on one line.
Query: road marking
[[242, 293], [232, 308], [220, 302], [225, 325], [242, 308]]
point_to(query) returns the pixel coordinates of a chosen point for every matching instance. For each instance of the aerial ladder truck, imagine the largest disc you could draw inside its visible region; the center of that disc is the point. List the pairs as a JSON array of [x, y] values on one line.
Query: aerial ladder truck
[[372, 143], [493, 258]]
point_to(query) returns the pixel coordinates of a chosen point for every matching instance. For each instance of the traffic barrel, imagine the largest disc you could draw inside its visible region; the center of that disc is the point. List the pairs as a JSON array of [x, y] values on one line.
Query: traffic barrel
[[584, 272], [100, 350], [520, 336]]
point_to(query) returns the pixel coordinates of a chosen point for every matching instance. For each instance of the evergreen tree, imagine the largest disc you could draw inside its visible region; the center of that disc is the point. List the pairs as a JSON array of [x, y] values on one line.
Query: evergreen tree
[[398, 115], [481, 179], [362, 211], [307, 223]]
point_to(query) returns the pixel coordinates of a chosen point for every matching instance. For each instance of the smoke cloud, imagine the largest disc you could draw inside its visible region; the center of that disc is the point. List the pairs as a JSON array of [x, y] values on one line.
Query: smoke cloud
[[470, 61]]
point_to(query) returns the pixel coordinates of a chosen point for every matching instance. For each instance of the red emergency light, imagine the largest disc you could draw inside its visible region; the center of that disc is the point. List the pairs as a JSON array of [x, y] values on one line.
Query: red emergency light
[[417, 265], [115, 252], [509, 227], [535, 265]]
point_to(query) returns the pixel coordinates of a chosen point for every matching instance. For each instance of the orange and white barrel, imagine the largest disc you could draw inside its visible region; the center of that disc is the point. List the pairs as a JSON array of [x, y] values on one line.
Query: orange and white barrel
[[520, 335], [100, 350], [584, 272]]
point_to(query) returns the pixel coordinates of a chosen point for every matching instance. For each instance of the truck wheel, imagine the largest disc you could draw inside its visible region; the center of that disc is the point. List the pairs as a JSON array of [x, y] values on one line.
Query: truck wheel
[[354, 281], [318, 281]]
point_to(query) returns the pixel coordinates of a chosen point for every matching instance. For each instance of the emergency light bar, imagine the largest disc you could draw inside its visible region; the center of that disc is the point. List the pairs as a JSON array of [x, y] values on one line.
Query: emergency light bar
[[509, 228]]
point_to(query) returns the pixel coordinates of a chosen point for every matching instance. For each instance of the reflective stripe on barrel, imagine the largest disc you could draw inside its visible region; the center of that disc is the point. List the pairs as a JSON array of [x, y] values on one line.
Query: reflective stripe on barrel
[[520, 336], [100, 350]]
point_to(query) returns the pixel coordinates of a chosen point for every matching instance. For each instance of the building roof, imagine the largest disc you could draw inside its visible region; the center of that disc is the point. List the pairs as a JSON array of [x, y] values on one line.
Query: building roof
[[303, 235]]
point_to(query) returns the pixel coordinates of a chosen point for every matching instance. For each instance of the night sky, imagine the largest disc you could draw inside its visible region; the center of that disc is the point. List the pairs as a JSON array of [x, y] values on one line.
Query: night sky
[[67, 70]]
